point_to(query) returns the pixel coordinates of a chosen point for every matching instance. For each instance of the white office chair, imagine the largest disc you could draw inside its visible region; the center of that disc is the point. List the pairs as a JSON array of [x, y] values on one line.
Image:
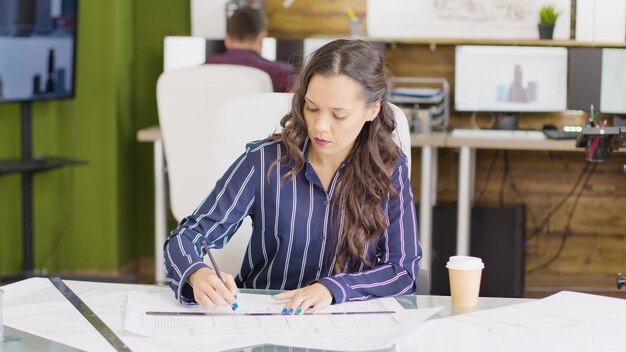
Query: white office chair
[[402, 134], [252, 117], [187, 101]]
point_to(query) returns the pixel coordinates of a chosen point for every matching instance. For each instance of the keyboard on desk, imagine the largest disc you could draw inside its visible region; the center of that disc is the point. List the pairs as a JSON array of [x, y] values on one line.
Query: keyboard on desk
[[483, 133]]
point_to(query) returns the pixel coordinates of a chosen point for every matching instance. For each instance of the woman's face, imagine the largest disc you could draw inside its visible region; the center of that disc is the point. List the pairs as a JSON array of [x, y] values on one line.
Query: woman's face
[[335, 112]]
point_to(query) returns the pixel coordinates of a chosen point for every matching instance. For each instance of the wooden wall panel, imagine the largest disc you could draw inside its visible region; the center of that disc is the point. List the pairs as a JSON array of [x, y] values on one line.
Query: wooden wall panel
[[595, 248], [420, 61], [311, 17], [407, 60]]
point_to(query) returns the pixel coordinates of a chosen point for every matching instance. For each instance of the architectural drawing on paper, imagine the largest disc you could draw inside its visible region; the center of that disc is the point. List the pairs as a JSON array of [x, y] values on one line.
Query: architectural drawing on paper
[[458, 19]]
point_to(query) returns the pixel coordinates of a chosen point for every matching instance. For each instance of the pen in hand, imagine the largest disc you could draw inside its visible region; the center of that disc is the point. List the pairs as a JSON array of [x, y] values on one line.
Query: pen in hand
[[217, 269]]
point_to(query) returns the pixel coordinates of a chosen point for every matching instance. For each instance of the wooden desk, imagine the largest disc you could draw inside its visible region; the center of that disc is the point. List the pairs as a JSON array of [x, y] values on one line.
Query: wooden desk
[[153, 135], [428, 183], [428, 189], [467, 170]]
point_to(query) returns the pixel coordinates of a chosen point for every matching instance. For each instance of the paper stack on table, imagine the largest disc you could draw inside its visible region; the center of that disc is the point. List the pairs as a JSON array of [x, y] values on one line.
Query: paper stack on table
[[37, 307], [566, 321]]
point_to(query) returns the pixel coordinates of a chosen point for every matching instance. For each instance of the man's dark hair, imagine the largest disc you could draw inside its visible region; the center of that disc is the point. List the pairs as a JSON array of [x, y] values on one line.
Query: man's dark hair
[[246, 23]]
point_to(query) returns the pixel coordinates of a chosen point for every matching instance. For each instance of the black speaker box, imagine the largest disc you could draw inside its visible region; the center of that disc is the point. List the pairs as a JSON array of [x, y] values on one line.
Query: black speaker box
[[497, 236]]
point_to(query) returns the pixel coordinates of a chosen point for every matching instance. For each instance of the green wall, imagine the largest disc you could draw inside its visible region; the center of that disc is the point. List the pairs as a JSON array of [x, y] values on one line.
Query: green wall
[[96, 217]]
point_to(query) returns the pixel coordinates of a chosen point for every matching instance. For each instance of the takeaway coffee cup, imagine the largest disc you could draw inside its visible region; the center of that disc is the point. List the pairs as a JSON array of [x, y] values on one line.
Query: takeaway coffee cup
[[465, 273]]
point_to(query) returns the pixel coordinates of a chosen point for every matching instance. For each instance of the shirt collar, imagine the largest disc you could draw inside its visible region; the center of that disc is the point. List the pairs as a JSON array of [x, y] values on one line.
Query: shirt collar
[[240, 51], [305, 152]]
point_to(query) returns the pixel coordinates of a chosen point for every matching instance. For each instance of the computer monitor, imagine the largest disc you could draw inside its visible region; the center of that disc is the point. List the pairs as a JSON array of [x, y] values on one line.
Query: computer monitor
[[186, 51], [312, 44], [613, 84], [509, 79], [583, 84], [268, 51], [37, 49], [183, 51]]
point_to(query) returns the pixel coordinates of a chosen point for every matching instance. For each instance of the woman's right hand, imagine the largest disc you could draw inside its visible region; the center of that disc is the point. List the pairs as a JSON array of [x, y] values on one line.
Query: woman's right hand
[[210, 292]]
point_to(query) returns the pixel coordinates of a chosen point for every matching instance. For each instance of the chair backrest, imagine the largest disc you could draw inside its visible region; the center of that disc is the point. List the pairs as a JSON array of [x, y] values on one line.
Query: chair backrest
[[253, 117], [187, 101], [402, 134]]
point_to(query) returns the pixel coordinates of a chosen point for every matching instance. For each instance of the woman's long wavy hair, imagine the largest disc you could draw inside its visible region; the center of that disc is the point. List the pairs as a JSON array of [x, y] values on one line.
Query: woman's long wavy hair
[[366, 182]]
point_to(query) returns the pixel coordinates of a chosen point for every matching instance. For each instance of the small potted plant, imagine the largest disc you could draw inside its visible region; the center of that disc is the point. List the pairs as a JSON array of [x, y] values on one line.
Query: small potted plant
[[548, 14]]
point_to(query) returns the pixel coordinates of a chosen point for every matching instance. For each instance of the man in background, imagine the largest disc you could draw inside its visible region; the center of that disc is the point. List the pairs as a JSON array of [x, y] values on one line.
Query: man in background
[[245, 31]]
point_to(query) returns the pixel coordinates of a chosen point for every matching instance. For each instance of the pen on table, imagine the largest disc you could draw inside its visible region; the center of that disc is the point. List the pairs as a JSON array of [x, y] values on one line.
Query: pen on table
[[217, 269]]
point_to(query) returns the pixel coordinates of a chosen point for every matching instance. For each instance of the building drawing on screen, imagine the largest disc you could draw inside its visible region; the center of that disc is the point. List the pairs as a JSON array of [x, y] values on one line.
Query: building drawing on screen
[[27, 18], [39, 35], [483, 10], [515, 92]]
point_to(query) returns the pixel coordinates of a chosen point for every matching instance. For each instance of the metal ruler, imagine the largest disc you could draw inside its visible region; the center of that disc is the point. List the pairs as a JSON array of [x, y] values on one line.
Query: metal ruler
[[86, 312]]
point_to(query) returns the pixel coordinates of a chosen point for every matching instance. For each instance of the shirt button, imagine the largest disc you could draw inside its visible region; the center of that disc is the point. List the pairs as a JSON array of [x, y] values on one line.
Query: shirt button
[[322, 237], [325, 202]]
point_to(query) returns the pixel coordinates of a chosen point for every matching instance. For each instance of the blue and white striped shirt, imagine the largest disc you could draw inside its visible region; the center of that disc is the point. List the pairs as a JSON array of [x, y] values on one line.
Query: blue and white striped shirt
[[293, 235]]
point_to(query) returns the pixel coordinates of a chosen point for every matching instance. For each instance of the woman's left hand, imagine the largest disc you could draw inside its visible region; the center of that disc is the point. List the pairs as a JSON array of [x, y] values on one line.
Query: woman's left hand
[[315, 296]]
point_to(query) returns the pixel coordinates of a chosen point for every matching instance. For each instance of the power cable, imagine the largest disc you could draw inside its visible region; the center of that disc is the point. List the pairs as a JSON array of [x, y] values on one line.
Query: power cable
[[488, 178], [505, 172], [559, 205], [567, 229]]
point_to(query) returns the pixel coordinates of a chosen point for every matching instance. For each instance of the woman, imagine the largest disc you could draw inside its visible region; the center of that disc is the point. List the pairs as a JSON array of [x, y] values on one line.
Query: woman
[[329, 196]]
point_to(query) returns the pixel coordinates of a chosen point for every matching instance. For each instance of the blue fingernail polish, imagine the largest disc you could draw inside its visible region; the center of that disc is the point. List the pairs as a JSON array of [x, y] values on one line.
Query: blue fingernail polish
[[299, 311], [284, 310], [290, 311], [235, 306]]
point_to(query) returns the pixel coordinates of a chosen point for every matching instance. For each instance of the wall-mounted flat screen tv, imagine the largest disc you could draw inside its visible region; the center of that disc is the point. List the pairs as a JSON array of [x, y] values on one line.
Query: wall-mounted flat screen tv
[[37, 49]]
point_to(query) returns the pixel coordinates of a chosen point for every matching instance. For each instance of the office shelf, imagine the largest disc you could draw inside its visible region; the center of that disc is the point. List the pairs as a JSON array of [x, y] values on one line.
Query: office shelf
[[424, 100], [509, 42], [469, 41], [26, 166], [11, 166]]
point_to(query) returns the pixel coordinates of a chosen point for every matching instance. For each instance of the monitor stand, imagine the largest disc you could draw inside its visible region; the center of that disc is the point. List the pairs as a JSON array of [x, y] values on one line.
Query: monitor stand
[[27, 166], [507, 121]]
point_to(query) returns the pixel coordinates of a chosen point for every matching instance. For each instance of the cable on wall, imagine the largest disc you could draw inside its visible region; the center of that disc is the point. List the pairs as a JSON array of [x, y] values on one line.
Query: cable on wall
[[567, 230]]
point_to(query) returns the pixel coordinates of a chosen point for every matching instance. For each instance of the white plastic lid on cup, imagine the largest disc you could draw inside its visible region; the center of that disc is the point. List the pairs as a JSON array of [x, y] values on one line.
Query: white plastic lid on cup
[[461, 262]]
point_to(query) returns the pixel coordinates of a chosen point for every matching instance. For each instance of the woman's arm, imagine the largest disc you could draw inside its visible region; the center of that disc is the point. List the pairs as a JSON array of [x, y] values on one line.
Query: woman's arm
[[214, 221], [396, 271]]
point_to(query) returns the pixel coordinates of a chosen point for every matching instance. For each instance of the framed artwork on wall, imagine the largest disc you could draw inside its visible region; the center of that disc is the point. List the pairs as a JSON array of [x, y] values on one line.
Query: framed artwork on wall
[[462, 19]]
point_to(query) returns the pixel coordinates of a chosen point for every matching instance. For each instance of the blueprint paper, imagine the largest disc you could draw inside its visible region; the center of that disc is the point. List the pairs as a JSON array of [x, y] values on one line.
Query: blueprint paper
[[46, 313], [61, 322], [340, 332], [237, 323], [566, 321]]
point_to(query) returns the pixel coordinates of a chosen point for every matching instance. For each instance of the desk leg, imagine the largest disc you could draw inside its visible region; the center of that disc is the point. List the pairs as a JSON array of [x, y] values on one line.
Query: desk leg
[[428, 198], [160, 217], [466, 195]]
